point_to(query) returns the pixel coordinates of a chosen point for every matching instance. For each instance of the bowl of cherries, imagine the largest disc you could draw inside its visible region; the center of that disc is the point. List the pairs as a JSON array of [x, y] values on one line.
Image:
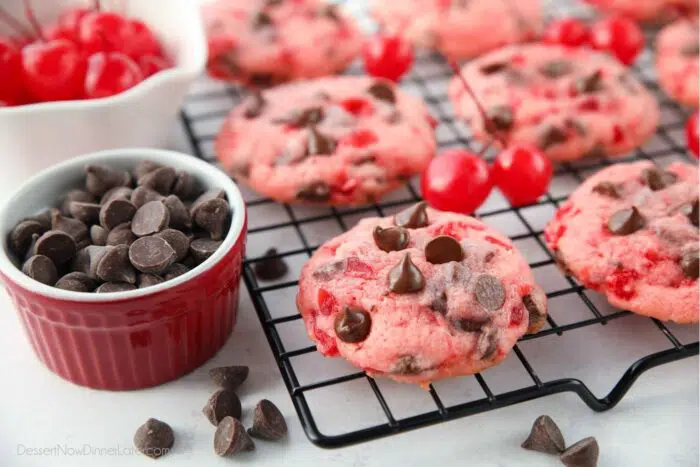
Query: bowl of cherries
[[81, 76]]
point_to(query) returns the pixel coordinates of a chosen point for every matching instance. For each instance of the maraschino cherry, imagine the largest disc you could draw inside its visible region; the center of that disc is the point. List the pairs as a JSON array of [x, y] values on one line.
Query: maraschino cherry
[[387, 56]]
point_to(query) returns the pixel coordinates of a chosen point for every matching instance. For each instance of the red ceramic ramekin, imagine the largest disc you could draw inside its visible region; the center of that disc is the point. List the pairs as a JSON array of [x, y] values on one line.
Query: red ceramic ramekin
[[134, 339]]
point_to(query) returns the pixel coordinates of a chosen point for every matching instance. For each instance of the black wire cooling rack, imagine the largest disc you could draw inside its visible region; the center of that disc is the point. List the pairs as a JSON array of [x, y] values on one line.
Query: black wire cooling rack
[[429, 80]]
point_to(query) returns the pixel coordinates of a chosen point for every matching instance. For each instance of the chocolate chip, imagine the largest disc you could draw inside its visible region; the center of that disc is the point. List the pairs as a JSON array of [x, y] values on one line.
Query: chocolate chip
[[406, 365], [352, 325], [657, 179], [213, 217], [148, 280], [556, 68], [328, 271], [414, 217], [73, 227], [577, 125], [690, 262], [154, 438], [160, 180], [179, 214], [492, 68], [626, 221], [21, 236], [111, 287], [405, 277], [150, 218], [41, 268], [101, 178], [88, 259], [186, 186], [121, 235], [144, 167], [331, 12], [43, 218], [551, 135], [202, 248], [316, 192], [302, 118], [115, 212], [589, 83], [582, 454], [319, 144], [142, 195], [261, 20], [691, 49], [268, 422], [58, 246], [254, 106], [262, 80], [535, 314], [383, 91], [391, 238], [608, 189], [470, 324], [271, 267], [629, 83], [231, 438], [206, 196], [87, 213], [690, 210], [487, 345], [178, 241], [115, 266], [31, 250], [119, 192], [151, 254], [76, 282], [229, 377], [545, 436], [75, 195], [501, 117], [175, 270], [223, 403], [443, 249], [489, 292], [515, 77]]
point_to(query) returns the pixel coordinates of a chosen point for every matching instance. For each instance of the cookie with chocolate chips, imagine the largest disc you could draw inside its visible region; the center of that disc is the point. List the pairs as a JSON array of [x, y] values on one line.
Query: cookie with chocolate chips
[[630, 232], [333, 141], [678, 60], [570, 102], [419, 296]]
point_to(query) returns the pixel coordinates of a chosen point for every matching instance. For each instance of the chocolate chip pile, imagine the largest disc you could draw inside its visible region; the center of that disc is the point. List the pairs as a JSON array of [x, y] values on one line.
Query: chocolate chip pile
[[122, 230], [545, 436]]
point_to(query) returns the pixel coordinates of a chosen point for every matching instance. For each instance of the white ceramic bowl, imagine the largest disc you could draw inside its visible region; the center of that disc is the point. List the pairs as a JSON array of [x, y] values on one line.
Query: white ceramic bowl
[[37, 136]]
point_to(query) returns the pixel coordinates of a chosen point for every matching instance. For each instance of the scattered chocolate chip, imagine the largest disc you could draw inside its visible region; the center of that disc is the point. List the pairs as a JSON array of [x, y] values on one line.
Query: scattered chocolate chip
[[111, 287], [608, 189], [21, 236], [41, 268], [501, 117], [115, 212], [331, 12], [690, 210], [160, 180], [262, 80], [186, 186], [352, 325], [142, 195], [179, 214], [535, 314], [75, 195], [443, 249], [487, 345], [406, 365], [87, 213], [58, 246], [690, 262], [302, 118], [202, 248], [405, 277], [231, 438], [154, 438], [589, 83], [101, 178], [144, 167], [391, 238], [43, 218], [598, 151], [470, 324], [319, 144], [175, 270], [151, 254], [577, 125], [328, 271], [551, 135], [204, 197], [254, 106], [414, 217], [268, 422], [213, 217], [229, 377], [492, 68], [439, 302], [31, 250], [115, 266], [271, 267], [556, 68], [657, 179], [545, 436], [691, 49], [150, 218], [178, 241], [626, 221], [73, 227], [88, 259], [582, 454], [261, 20], [119, 192], [76, 282], [317, 192], [121, 235], [515, 77], [383, 91], [148, 280], [223, 403], [489, 292]]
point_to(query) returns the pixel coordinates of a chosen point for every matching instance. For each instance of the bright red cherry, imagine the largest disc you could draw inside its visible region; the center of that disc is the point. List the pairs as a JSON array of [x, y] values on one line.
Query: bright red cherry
[[522, 173], [68, 25], [691, 134], [570, 32], [101, 31], [139, 40], [150, 65], [53, 70], [110, 73], [457, 181], [11, 79], [618, 36], [387, 57]]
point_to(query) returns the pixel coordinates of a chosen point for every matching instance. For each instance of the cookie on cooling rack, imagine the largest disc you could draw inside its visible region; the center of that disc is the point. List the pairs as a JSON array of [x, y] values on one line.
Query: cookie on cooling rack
[[460, 29], [265, 42], [677, 61], [647, 10], [336, 141], [571, 102], [419, 296], [631, 233]]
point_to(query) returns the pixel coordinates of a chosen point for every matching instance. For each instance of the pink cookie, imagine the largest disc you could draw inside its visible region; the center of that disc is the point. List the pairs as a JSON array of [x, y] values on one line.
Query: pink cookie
[[648, 10], [631, 233], [571, 102], [421, 296], [677, 58], [265, 42], [338, 141], [459, 28]]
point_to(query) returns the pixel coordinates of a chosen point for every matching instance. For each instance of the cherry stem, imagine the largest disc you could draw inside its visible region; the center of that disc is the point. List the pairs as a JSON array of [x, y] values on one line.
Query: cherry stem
[[29, 12], [97, 5], [13, 23]]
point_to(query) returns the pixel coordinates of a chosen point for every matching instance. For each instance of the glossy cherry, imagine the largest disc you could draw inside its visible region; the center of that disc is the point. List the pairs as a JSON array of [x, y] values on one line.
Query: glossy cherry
[[139, 40], [53, 70], [387, 56], [456, 181], [570, 32], [618, 36], [110, 73], [11, 79], [691, 134], [522, 173], [68, 25], [102, 31], [150, 65]]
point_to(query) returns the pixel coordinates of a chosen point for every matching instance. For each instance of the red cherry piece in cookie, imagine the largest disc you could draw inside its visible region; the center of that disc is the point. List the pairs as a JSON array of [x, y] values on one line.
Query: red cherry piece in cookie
[[619, 36], [570, 32], [357, 106], [360, 138], [621, 283], [456, 181], [522, 173], [11, 80], [53, 70], [109, 74], [356, 268], [692, 129], [387, 56], [327, 303]]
